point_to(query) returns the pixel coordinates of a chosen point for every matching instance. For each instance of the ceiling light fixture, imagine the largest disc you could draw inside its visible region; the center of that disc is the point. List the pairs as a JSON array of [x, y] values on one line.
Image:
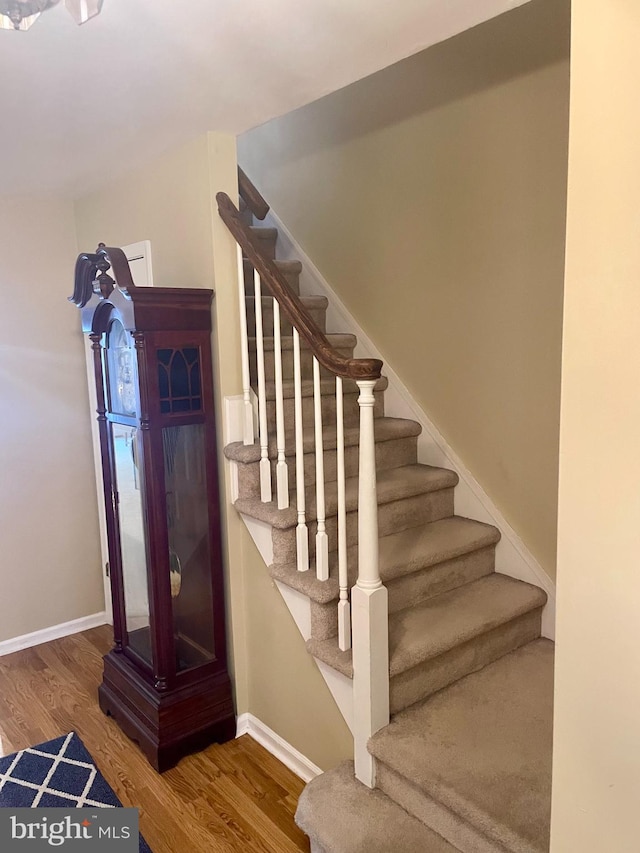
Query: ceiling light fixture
[[21, 14]]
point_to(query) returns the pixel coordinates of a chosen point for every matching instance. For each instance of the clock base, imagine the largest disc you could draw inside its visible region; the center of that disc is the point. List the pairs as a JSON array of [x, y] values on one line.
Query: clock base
[[170, 724]]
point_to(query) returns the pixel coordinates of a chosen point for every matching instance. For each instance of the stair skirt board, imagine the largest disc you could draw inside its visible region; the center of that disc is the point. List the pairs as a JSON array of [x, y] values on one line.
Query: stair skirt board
[[292, 758], [512, 556]]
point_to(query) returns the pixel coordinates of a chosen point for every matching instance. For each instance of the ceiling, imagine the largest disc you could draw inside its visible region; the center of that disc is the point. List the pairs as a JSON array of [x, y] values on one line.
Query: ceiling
[[82, 102]]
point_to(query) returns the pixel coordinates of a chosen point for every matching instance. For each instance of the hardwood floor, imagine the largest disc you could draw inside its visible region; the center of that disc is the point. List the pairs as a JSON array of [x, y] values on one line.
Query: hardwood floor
[[233, 797]]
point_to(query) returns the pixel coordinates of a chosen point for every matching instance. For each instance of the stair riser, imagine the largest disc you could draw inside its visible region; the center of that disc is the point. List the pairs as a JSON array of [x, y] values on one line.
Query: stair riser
[[324, 620], [435, 815], [397, 515], [245, 214], [319, 316], [328, 408], [389, 454], [266, 241], [306, 364], [292, 279], [426, 679]]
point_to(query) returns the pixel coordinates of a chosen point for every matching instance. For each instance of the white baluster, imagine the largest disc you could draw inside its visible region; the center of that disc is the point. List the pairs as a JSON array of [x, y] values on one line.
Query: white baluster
[[302, 532], [369, 604], [247, 422], [322, 541], [344, 614], [265, 465], [282, 472]]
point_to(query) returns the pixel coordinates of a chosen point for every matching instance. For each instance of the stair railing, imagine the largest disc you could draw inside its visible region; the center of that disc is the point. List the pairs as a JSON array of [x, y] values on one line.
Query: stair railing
[[362, 621]]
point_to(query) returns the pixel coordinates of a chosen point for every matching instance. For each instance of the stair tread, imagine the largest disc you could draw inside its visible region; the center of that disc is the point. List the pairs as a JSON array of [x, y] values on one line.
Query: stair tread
[[482, 747], [344, 816], [289, 266], [393, 484], [421, 633], [438, 624], [322, 592], [283, 266], [263, 232], [400, 554], [385, 428], [418, 547]]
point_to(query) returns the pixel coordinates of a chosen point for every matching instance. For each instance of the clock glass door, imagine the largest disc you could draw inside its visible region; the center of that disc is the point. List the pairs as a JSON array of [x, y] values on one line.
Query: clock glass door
[[189, 544], [126, 455]]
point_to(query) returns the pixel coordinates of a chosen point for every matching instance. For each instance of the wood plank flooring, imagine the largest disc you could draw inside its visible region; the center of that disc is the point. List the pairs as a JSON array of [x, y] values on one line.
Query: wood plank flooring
[[230, 797]]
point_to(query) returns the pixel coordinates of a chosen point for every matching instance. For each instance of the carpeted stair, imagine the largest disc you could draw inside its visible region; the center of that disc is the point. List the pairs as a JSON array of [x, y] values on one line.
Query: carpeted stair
[[465, 763]]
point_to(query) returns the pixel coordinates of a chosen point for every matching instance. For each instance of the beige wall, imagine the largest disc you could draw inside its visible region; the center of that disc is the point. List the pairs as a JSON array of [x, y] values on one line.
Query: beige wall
[[168, 203], [50, 570], [432, 198], [171, 203], [597, 721]]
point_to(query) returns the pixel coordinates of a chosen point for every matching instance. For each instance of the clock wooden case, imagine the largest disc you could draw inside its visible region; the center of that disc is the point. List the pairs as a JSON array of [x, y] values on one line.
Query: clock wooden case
[[165, 681]]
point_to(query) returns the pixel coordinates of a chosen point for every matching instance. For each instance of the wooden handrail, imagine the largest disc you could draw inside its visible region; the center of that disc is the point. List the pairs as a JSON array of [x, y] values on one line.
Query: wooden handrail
[[251, 197], [301, 319]]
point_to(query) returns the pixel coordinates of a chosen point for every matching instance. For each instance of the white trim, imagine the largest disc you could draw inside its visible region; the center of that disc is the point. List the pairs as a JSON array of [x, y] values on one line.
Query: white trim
[[341, 688], [233, 418], [293, 759], [299, 606], [55, 632], [141, 252], [262, 535], [513, 558]]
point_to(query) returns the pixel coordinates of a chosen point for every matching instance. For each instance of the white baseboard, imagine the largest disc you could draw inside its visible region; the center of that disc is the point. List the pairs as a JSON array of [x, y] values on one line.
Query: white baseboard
[[293, 759], [513, 558], [45, 635]]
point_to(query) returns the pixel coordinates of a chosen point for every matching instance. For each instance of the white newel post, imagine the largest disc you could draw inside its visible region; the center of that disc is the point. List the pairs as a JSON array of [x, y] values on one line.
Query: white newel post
[[369, 605]]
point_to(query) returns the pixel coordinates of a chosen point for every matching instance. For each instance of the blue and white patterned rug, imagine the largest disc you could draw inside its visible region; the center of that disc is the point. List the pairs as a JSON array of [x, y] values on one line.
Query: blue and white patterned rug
[[57, 774]]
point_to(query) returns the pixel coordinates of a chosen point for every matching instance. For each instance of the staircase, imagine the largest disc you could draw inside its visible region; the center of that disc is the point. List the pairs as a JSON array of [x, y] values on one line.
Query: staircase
[[464, 763]]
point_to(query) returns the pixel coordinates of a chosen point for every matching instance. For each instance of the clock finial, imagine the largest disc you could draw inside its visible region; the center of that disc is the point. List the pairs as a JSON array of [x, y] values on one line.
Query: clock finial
[[105, 281]]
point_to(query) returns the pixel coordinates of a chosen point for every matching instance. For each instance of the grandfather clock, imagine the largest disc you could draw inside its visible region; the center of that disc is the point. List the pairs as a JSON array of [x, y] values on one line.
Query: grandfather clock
[[165, 681]]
